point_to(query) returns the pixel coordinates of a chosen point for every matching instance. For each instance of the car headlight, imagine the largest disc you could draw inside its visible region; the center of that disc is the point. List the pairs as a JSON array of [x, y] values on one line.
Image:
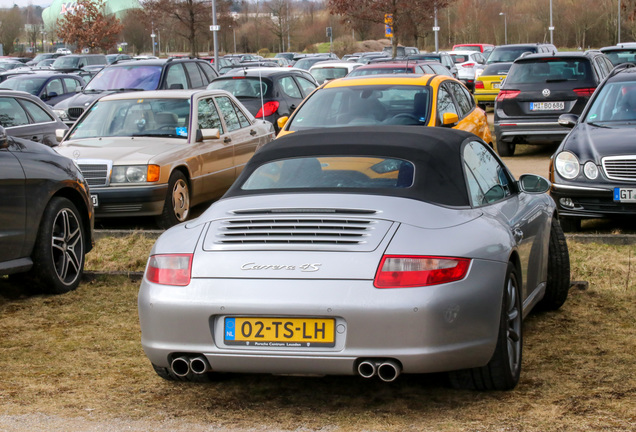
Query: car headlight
[[135, 174], [61, 114], [591, 170], [567, 165]]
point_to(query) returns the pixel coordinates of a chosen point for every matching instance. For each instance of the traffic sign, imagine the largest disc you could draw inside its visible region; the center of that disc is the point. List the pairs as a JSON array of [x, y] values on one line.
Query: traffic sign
[[215, 27]]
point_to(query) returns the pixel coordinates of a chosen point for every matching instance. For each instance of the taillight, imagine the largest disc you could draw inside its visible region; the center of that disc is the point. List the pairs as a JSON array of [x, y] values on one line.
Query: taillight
[[396, 271], [584, 91], [170, 269], [267, 109], [479, 85], [507, 94], [468, 65]]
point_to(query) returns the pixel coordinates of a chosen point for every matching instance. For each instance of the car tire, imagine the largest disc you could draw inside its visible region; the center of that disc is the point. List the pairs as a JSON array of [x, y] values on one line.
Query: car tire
[[176, 207], [58, 253], [504, 368], [569, 224], [505, 148], [558, 283]]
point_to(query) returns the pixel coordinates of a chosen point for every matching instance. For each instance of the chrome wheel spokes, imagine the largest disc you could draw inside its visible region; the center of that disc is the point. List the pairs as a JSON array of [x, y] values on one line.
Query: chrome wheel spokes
[[67, 246], [181, 200], [513, 326]]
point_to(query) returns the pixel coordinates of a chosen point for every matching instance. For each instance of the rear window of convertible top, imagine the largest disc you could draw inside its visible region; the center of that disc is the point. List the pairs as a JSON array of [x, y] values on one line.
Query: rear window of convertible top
[[332, 172]]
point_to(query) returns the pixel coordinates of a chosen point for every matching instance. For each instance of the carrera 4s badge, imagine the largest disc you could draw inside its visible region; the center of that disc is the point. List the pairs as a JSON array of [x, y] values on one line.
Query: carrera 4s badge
[[303, 267]]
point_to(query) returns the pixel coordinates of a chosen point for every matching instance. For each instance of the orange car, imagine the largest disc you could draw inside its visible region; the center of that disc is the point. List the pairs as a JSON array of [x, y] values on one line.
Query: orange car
[[408, 99]]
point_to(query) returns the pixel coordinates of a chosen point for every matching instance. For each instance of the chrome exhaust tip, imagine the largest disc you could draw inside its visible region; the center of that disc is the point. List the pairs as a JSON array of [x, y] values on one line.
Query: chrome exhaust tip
[[367, 369], [180, 366], [389, 370], [199, 365]]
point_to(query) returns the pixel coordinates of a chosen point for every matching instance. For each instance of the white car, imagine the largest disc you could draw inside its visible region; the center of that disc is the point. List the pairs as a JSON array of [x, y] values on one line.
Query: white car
[[467, 63], [63, 51], [328, 70]]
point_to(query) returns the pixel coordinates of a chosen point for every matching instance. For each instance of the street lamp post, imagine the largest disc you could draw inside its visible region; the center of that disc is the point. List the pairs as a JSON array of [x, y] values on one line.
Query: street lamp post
[[551, 26], [505, 27]]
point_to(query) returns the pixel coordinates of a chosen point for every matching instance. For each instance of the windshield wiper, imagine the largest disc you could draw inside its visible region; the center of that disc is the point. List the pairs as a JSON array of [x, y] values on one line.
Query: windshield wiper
[[168, 135], [93, 90], [556, 80], [124, 89], [599, 125]]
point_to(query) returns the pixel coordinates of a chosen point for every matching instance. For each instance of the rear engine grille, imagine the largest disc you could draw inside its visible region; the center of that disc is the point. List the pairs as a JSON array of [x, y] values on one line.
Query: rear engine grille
[[74, 113], [96, 173], [620, 167], [310, 230]]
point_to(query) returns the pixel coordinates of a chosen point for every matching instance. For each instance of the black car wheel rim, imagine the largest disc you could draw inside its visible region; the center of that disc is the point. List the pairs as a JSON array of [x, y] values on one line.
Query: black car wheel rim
[[513, 326]]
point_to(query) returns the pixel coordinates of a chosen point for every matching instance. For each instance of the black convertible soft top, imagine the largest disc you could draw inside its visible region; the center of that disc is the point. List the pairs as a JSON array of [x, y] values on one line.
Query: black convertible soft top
[[435, 152]]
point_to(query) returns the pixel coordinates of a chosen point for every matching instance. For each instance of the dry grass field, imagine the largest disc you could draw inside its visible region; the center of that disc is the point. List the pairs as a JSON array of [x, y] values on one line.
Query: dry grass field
[[75, 360]]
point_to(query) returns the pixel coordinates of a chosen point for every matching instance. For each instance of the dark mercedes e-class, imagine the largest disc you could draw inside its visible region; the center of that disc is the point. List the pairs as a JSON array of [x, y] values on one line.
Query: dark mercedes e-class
[[593, 171]]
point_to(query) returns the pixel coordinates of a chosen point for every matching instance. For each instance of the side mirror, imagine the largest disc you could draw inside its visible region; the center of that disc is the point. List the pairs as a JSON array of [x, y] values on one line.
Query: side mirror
[[207, 134], [534, 184], [282, 121], [449, 119], [568, 120], [59, 134]]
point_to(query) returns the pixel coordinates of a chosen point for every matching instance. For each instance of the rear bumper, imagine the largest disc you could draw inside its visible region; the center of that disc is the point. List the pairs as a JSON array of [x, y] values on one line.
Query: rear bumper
[[529, 132]]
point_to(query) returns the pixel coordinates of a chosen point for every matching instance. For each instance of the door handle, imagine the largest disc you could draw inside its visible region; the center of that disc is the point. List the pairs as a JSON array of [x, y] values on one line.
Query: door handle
[[252, 132], [227, 140], [518, 235]]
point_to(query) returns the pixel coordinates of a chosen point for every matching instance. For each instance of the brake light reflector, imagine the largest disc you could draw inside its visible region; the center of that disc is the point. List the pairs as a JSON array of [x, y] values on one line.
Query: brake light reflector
[[267, 109], [584, 91], [507, 94], [397, 271], [173, 269], [479, 85]]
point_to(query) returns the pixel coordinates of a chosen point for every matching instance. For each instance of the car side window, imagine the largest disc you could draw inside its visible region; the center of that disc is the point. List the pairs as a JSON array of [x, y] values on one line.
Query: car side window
[[71, 84], [209, 116], [208, 71], [462, 99], [229, 114], [486, 177], [241, 116], [176, 77], [11, 113], [289, 87], [195, 75], [38, 114], [445, 103], [54, 86], [306, 85]]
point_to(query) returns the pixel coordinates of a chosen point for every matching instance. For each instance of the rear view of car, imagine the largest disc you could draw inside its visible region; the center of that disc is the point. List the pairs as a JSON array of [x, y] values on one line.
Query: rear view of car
[[538, 89], [487, 85], [467, 63]]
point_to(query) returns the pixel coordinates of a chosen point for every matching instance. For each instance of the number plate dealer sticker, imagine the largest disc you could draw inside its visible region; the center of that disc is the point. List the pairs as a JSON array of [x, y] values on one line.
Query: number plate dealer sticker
[[547, 106], [280, 332], [626, 195]]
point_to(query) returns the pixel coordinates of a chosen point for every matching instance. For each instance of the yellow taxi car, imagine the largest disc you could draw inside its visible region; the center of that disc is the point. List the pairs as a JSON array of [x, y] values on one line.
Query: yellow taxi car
[[408, 99], [488, 83]]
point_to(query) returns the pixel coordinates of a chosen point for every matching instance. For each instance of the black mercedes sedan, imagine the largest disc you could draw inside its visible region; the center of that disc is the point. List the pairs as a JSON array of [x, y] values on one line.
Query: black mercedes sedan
[[46, 217], [593, 171]]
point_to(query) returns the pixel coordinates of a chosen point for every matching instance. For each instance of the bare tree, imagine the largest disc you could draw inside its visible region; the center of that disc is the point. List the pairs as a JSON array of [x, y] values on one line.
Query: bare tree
[[87, 26], [10, 27]]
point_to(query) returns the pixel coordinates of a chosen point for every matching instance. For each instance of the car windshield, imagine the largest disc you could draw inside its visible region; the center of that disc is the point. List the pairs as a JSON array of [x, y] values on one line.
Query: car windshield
[[331, 172], [328, 73], [508, 54], [615, 102], [621, 56], [138, 77], [383, 70], [66, 62], [306, 63], [550, 71], [496, 69], [28, 84], [363, 105], [241, 87], [161, 117]]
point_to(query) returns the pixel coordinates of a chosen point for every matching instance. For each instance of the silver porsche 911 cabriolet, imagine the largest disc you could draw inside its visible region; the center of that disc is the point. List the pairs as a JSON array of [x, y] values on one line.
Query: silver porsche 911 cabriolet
[[373, 251]]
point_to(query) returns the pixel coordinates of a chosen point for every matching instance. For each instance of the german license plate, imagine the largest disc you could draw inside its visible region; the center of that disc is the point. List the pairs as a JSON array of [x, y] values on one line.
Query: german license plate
[[95, 200], [279, 332], [546, 106], [496, 85], [625, 195]]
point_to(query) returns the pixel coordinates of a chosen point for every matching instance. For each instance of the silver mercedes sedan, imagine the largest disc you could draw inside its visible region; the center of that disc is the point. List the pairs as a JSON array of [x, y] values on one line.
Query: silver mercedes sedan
[[373, 251]]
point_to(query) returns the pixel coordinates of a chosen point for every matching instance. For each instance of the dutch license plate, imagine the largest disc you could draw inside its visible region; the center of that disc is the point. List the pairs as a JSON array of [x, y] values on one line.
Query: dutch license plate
[[546, 106], [496, 85], [625, 195], [95, 200], [279, 332]]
